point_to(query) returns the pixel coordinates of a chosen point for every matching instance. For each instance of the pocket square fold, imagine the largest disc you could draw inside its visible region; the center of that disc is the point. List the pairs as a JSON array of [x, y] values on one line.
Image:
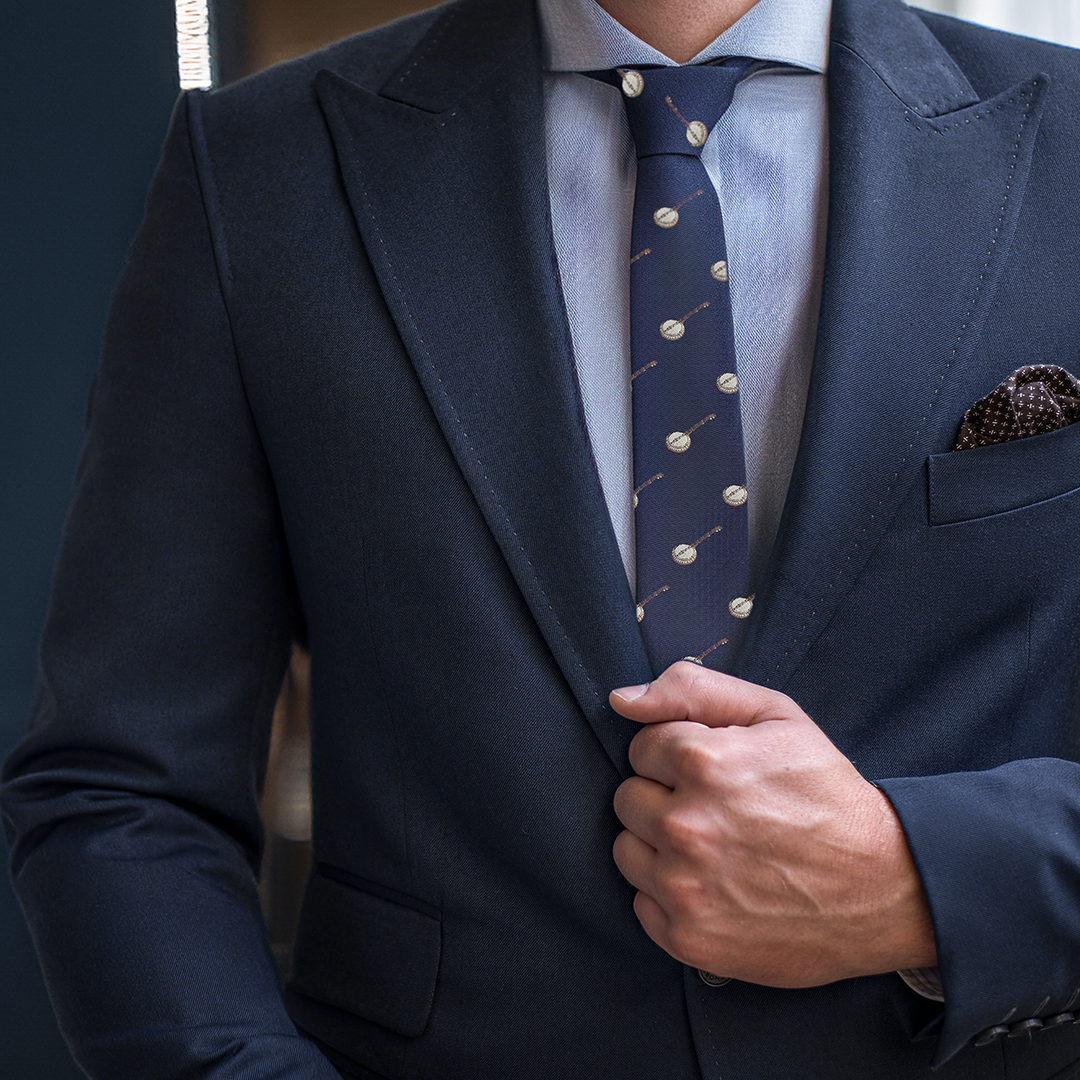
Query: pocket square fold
[[1033, 400]]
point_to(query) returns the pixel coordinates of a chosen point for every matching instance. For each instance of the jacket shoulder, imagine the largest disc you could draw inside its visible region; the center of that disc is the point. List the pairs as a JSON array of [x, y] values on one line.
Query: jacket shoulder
[[994, 60], [436, 52], [367, 59]]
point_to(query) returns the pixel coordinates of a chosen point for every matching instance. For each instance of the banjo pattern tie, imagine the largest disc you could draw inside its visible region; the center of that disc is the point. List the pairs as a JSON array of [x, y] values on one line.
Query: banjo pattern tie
[[690, 495]]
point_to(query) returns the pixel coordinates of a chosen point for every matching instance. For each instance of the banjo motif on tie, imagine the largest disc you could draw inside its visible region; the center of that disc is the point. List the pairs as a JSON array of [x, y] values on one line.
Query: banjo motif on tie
[[689, 480]]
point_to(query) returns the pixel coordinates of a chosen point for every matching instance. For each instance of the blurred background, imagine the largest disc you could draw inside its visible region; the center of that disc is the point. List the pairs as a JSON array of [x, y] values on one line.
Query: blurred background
[[88, 88]]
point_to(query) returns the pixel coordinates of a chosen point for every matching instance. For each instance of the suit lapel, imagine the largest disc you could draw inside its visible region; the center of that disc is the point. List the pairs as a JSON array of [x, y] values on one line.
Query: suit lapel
[[925, 186], [445, 173], [444, 169]]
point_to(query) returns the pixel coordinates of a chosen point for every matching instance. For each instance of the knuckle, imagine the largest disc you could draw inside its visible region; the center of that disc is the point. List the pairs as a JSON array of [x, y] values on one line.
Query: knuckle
[[696, 758], [684, 834], [642, 743], [682, 670], [683, 894], [686, 677]]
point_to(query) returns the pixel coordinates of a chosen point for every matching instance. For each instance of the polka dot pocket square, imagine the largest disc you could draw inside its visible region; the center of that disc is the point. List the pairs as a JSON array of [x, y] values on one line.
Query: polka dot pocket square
[[1033, 400]]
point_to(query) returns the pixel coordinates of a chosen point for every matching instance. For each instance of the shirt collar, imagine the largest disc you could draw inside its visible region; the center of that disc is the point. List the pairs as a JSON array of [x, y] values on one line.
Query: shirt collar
[[580, 36]]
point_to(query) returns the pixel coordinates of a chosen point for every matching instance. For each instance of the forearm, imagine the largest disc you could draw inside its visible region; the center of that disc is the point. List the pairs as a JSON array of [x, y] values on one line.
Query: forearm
[[148, 928]]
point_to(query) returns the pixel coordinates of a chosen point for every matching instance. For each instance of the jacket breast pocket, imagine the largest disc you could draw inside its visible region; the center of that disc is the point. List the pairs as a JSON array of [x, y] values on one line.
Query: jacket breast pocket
[[369, 955], [969, 484]]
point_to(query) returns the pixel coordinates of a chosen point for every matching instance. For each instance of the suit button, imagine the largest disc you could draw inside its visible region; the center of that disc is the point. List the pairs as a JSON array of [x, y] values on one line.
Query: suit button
[[991, 1035], [709, 979], [1024, 1027], [1056, 1021]]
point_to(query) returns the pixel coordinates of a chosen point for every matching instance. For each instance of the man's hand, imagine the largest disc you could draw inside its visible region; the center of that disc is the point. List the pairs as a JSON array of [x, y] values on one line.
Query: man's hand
[[759, 851]]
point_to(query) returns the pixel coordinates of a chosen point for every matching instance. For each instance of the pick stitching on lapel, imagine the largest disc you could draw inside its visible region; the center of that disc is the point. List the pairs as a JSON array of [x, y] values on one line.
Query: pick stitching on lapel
[[914, 158], [447, 182]]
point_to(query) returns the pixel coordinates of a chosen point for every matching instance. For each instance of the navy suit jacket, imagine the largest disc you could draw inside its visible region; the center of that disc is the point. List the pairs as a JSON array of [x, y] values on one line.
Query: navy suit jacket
[[338, 381]]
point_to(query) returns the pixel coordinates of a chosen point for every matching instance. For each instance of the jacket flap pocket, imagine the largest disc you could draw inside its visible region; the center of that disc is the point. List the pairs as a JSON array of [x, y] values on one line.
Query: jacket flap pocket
[[370, 956], [966, 484]]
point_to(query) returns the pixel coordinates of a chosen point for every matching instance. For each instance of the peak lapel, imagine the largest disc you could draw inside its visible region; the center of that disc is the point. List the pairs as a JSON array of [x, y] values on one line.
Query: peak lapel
[[445, 172], [925, 186]]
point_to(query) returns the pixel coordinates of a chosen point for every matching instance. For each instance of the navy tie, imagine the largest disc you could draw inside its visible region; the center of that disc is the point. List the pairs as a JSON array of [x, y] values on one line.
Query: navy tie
[[690, 494]]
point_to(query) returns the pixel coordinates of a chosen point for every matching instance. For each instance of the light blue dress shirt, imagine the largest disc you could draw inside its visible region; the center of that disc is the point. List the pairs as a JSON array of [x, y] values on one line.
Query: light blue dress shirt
[[768, 160]]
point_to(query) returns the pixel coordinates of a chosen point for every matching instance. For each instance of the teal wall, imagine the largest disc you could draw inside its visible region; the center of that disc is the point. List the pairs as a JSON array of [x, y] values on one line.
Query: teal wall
[[87, 89]]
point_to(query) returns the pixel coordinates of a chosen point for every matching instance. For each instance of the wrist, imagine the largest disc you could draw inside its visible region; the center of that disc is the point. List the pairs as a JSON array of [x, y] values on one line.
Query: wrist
[[904, 938]]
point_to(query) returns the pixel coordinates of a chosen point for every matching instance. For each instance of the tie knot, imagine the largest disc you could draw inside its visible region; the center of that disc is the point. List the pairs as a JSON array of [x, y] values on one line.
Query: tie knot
[[672, 110]]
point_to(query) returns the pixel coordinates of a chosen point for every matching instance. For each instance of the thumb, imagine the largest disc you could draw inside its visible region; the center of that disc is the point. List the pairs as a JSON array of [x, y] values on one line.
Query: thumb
[[687, 691]]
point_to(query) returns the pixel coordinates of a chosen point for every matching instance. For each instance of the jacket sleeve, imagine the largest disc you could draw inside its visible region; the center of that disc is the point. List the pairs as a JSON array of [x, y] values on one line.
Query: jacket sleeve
[[998, 853], [131, 804]]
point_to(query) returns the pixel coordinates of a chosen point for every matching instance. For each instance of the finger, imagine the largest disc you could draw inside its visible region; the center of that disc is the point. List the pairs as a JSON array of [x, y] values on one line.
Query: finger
[[635, 860], [663, 930], [654, 921], [691, 692], [639, 804], [656, 751]]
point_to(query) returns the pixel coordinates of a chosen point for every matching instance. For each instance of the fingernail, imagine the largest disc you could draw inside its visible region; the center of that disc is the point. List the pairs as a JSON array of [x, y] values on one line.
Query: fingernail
[[630, 693]]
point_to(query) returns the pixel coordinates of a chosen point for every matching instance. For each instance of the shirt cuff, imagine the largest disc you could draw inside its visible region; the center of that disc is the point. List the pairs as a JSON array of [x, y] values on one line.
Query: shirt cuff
[[924, 981]]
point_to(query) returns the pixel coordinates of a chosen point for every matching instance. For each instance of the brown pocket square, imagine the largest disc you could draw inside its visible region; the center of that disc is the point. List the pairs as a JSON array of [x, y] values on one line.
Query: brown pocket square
[[1031, 401]]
